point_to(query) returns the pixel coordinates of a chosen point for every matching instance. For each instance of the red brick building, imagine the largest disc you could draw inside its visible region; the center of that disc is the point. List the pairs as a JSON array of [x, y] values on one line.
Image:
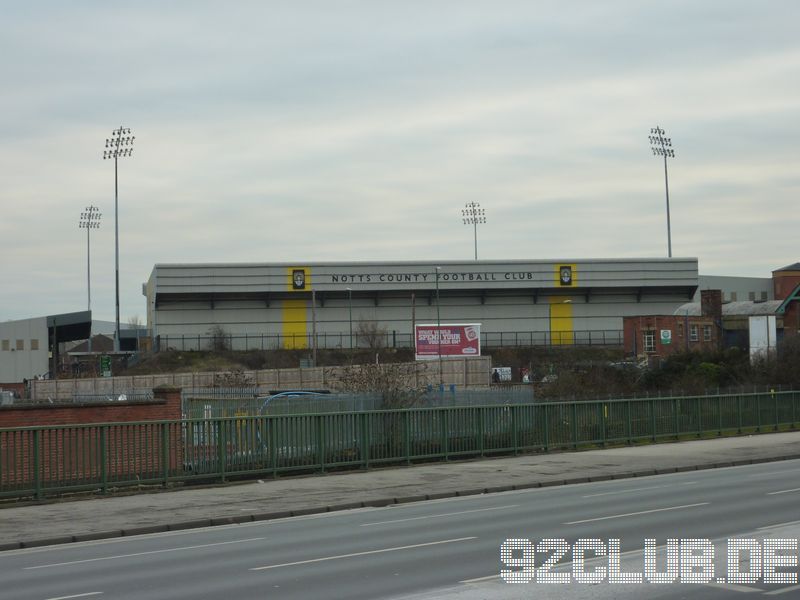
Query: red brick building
[[786, 282], [663, 335], [712, 325]]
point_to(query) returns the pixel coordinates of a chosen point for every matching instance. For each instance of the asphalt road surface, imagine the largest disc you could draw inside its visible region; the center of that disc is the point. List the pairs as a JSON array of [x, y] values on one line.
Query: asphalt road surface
[[448, 549]]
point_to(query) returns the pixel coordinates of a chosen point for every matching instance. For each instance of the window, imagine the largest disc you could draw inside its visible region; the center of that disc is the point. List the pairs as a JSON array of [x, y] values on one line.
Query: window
[[733, 296], [6, 345], [764, 296], [706, 333], [34, 344], [20, 344], [693, 333], [751, 296], [649, 341], [680, 330]]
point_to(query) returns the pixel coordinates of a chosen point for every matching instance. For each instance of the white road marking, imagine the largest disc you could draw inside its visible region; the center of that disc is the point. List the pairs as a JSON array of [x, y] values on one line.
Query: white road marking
[[88, 560], [787, 472], [481, 579], [395, 549], [779, 525], [783, 491], [735, 587], [782, 590], [633, 514], [462, 512], [77, 596], [652, 487]]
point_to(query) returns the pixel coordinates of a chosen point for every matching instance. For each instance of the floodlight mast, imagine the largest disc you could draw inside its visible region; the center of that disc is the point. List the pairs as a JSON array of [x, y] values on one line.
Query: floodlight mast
[[119, 145], [473, 214], [90, 219], [662, 146]]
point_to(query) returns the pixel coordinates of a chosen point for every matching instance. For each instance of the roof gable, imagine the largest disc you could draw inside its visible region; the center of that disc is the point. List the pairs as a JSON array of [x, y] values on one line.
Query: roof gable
[[794, 267]]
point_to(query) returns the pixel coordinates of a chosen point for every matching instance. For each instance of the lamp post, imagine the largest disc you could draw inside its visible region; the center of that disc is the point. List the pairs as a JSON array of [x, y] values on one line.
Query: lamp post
[[662, 146], [90, 219], [439, 330], [350, 311], [473, 214], [118, 145]]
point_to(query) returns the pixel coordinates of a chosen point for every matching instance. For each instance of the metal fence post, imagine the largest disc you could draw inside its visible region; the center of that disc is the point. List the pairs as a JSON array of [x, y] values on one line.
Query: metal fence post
[[445, 433], [481, 427], [758, 412], [739, 407], [271, 431], [103, 458], [677, 420], [546, 439], [699, 417], [514, 428], [603, 409], [777, 416], [368, 422], [575, 425], [165, 452], [407, 435], [630, 422], [37, 476], [221, 450], [653, 418], [320, 443]]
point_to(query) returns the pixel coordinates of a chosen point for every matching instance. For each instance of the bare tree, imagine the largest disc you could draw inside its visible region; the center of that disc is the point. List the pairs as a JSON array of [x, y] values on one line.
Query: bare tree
[[135, 323], [371, 335], [235, 378], [401, 385], [219, 341]]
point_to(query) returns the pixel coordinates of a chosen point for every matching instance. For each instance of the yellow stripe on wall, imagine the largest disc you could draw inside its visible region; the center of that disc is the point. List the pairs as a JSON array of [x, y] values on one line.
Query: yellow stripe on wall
[[561, 332], [295, 324]]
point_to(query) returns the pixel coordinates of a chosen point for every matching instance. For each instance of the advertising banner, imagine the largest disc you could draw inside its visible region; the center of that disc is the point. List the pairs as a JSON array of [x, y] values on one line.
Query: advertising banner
[[447, 340]]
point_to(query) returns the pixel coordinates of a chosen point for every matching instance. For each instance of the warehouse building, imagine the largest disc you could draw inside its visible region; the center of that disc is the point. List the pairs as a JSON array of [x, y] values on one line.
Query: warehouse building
[[520, 302], [29, 348]]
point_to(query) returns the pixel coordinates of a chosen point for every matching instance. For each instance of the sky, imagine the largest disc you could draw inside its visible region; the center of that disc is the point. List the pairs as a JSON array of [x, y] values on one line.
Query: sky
[[342, 130]]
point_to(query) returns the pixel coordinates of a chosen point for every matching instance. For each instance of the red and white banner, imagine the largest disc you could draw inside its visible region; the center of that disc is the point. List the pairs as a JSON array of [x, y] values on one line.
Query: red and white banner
[[432, 341]]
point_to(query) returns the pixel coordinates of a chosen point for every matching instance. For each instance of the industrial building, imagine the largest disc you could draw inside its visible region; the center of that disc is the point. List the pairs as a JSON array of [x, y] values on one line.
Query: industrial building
[[719, 319], [516, 302], [29, 347]]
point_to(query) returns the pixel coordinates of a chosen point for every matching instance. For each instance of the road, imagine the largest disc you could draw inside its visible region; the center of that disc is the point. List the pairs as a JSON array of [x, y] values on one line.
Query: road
[[435, 549]]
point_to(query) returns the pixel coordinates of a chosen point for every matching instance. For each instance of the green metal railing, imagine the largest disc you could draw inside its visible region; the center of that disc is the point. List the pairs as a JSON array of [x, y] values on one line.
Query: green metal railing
[[42, 461]]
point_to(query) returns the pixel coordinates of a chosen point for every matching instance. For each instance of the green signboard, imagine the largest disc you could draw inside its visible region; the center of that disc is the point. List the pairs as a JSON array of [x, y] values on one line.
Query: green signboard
[[666, 336], [105, 366]]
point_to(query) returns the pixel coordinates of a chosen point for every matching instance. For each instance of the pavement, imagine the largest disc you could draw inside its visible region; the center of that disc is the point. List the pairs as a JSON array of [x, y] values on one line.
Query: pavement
[[75, 520]]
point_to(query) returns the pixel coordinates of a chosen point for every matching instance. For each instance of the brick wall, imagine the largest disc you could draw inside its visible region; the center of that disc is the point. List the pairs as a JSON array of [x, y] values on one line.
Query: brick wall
[[71, 445], [784, 282], [680, 327], [19, 388], [166, 405]]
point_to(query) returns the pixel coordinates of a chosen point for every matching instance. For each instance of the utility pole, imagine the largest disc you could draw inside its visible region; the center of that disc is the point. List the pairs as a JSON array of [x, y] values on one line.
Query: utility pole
[[439, 331], [350, 311]]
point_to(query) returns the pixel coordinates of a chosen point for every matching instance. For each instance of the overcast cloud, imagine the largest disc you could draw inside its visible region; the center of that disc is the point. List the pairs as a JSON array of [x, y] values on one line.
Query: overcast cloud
[[357, 130]]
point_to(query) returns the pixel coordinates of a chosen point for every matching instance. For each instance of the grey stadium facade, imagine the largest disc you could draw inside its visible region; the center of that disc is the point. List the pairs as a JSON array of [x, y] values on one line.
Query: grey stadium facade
[[516, 302]]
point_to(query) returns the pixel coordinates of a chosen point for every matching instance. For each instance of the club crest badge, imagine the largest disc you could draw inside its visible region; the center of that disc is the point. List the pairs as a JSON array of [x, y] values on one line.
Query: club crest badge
[[565, 275], [298, 279]]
